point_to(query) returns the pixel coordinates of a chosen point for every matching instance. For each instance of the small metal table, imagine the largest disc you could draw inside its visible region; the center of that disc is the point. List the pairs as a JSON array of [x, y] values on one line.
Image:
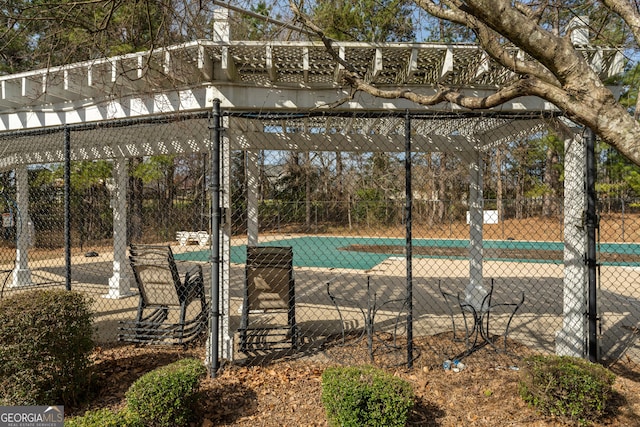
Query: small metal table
[[477, 319], [368, 307]]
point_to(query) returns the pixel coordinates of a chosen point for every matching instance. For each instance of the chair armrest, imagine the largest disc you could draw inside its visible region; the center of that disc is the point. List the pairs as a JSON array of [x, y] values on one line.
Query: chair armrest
[[193, 286], [188, 268], [515, 304], [335, 298], [338, 299], [404, 302], [194, 274]]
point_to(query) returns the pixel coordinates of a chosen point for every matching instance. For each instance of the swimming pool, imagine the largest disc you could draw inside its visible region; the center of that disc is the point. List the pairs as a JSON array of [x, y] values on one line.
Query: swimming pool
[[363, 253]]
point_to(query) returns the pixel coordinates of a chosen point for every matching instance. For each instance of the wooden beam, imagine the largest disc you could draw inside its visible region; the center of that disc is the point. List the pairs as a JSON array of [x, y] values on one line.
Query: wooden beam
[[270, 64], [205, 64], [447, 65], [596, 62], [166, 63], [131, 77], [412, 65], [617, 64], [11, 93], [53, 88], [100, 76], [339, 67], [76, 82], [483, 67], [376, 66], [176, 68], [228, 65], [31, 89], [305, 64]]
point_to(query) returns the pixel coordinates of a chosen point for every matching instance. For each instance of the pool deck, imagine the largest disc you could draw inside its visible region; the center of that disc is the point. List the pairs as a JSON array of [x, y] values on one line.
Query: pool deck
[[536, 324]]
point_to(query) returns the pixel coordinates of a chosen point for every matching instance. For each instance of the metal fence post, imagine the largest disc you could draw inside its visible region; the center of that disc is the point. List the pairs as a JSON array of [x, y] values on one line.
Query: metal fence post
[[214, 316], [409, 246], [591, 225], [67, 207]]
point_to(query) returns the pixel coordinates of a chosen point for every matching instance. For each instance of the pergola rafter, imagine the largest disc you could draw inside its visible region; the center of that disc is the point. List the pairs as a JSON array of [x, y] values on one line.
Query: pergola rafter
[[266, 69]]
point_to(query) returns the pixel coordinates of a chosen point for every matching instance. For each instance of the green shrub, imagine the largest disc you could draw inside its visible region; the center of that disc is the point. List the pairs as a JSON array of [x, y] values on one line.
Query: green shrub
[[164, 397], [45, 342], [105, 418], [566, 386], [365, 396]]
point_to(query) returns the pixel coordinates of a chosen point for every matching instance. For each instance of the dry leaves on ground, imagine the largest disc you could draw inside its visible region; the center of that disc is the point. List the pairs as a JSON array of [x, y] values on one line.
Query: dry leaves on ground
[[288, 392]]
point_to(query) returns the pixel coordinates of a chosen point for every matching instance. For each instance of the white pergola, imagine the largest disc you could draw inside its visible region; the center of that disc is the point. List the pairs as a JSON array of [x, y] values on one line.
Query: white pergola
[[280, 77]]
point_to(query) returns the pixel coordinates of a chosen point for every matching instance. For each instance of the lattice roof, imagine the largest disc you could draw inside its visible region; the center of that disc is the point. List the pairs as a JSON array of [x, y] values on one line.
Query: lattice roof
[[266, 64], [272, 77]]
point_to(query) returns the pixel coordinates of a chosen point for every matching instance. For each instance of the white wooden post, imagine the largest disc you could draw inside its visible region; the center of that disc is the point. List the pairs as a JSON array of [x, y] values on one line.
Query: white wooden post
[[475, 292], [24, 230], [252, 197], [120, 282], [571, 340]]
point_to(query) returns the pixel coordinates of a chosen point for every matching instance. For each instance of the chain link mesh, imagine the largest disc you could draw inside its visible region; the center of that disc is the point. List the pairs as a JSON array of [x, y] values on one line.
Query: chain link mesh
[[490, 265]]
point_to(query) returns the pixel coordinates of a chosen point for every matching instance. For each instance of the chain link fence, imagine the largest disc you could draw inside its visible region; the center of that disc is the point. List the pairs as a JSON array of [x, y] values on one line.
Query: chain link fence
[[371, 253]]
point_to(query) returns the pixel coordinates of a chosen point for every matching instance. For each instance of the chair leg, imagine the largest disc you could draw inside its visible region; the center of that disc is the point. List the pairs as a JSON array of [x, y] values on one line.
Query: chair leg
[[139, 318], [139, 315], [506, 331], [183, 316], [244, 320], [291, 315], [449, 301]]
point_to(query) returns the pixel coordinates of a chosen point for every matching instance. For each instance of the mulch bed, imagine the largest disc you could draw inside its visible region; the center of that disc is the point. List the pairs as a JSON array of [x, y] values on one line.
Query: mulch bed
[[287, 392]]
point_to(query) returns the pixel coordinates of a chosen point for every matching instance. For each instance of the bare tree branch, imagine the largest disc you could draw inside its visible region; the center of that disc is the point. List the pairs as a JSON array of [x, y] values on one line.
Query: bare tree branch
[[488, 39], [628, 13], [515, 90], [553, 69]]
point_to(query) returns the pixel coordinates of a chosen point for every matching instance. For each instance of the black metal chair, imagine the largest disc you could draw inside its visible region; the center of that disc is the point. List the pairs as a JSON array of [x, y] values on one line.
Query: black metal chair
[[162, 291], [268, 309]]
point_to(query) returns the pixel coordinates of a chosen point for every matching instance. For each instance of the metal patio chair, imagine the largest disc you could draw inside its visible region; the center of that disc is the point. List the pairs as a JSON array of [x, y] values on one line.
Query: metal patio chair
[[165, 313], [268, 310]]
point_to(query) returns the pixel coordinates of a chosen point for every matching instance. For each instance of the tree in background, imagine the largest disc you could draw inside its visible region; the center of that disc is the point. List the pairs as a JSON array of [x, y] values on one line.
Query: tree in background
[[159, 172], [253, 27], [365, 20], [38, 33], [89, 198]]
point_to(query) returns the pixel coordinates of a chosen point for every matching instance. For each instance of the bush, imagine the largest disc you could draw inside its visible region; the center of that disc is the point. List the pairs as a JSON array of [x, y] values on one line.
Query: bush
[[164, 397], [365, 396], [566, 386], [105, 418], [45, 342]]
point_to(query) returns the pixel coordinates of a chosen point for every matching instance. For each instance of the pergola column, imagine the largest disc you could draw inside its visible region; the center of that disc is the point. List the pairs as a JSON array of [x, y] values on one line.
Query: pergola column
[[475, 292], [252, 197], [120, 282], [24, 230], [571, 340]]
